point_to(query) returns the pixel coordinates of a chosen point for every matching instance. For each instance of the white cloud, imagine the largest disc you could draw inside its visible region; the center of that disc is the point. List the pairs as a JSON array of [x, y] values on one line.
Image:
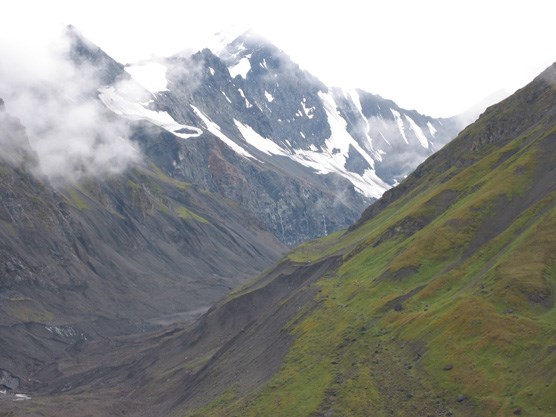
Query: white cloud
[[438, 57], [73, 135]]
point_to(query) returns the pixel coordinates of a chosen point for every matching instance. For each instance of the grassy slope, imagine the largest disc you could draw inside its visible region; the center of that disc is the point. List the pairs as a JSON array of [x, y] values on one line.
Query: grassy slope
[[444, 301]]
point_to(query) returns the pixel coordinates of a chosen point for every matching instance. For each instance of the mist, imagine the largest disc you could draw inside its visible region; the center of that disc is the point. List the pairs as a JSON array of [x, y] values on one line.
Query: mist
[[186, 70], [73, 135], [401, 158]]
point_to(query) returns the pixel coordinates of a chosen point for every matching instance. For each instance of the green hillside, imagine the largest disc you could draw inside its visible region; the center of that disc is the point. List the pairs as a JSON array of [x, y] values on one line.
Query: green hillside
[[443, 303]]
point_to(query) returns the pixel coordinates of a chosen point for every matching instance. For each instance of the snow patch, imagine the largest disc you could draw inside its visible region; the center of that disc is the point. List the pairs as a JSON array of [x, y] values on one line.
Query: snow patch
[[254, 139], [309, 111], [269, 96], [418, 132], [329, 160], [367, 184], [216, 131], [62, 331], [431, 129], [135, 111], [212, 71], [340, 138], [241, 68], [353, 95], [151, 75], [384, 138], [227, 98], [13, 397], [399, 122], [247, 104]]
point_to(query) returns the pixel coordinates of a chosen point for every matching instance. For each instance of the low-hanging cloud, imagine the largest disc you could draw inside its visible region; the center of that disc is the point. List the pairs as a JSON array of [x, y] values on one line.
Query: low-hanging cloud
[[399, 158], [186, 70], [69, 129]]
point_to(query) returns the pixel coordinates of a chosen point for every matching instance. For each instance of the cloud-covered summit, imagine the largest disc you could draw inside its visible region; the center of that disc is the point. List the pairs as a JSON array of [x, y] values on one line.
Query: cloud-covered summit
[[55, 99]]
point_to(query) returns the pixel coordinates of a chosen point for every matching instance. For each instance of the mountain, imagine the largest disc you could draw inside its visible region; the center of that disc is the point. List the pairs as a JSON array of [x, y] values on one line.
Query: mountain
[[305, 158], [87, 255], [438, 301], [109, 255]]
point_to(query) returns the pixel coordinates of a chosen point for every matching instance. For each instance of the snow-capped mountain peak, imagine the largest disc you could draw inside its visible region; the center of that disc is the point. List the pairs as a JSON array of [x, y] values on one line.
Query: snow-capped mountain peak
[[294, 146]]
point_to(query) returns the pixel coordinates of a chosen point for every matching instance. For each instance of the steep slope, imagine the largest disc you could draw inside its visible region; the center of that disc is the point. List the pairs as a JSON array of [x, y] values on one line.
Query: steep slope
[[305, 158], [439, 301], [443, 302], [109, 255]]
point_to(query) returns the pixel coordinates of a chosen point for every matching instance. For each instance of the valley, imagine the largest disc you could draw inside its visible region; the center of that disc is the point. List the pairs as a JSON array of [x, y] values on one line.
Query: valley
[[281, 248]]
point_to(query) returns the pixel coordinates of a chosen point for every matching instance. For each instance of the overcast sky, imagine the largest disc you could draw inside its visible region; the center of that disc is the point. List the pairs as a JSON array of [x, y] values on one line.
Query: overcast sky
[[439, 57]]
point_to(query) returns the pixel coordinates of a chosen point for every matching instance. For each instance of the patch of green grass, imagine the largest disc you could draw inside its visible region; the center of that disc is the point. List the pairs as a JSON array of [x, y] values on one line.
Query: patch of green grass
[[133, 185], [76, 198], [220, 405], [184, 213], [161, 176]]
